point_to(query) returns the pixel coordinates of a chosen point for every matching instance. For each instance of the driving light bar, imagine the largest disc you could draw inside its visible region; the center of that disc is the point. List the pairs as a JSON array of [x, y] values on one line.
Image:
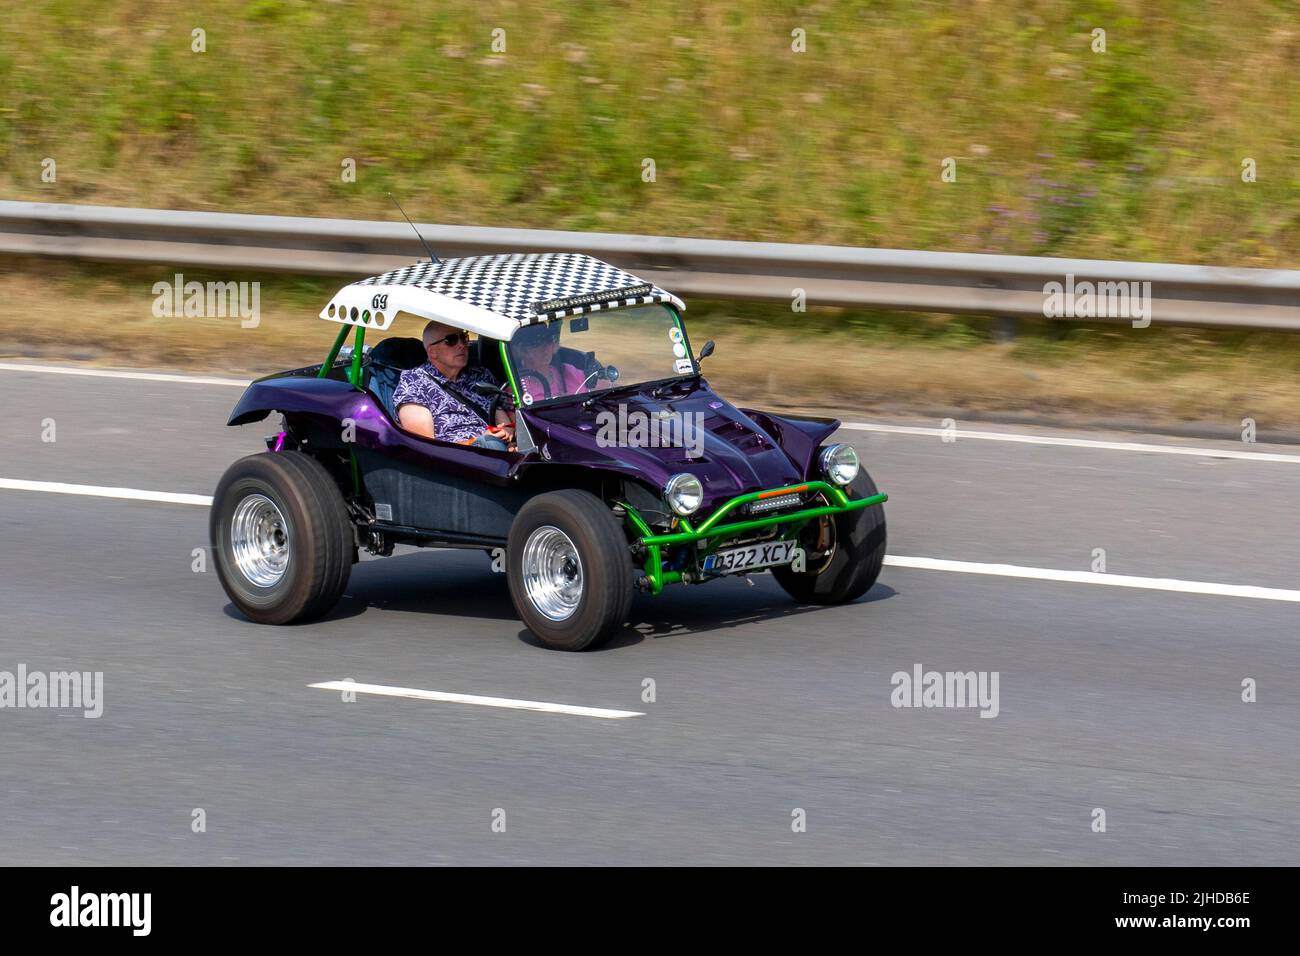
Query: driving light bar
[[775, 503], [591, 298]]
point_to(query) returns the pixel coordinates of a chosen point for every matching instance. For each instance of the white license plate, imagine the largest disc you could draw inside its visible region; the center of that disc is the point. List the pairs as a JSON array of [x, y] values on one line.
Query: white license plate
[[749, 557]]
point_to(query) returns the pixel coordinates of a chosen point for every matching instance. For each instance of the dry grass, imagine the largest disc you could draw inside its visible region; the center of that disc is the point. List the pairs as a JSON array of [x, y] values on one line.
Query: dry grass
[[837, 371]]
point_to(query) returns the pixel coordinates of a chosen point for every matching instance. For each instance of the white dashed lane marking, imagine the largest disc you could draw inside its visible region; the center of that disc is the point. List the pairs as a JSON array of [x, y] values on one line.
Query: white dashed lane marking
[[503, 702]]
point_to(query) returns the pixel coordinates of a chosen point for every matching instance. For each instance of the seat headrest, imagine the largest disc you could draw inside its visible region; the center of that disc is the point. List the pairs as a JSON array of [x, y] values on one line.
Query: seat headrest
[[400, 353], [567, 356]]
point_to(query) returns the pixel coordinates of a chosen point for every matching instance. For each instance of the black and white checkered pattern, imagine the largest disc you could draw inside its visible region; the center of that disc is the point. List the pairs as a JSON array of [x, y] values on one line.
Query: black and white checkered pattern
[[516, 285]]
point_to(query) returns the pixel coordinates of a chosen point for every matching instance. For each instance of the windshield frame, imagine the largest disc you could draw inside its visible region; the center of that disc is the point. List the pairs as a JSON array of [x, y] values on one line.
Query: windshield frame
[[584, 396]]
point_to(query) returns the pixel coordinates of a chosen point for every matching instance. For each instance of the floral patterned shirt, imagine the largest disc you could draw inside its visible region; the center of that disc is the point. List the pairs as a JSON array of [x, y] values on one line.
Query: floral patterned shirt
[[452, 420]]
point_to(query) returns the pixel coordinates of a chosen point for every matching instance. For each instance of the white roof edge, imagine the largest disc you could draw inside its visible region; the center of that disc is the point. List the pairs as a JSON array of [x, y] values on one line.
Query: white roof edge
[[388, 300]]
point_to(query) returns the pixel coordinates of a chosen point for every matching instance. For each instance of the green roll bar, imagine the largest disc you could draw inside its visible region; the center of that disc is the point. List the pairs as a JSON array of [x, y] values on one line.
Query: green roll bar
[[354, 370], [510, 373], [354, 379], [334, 352], [354, 373]]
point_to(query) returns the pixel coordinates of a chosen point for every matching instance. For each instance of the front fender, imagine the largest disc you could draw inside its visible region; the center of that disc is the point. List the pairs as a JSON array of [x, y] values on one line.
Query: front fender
[[296, 393], [799, 437]]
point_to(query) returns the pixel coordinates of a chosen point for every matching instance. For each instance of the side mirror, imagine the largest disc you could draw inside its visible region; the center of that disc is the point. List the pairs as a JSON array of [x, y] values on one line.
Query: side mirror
[[706, 351], [611, 373]]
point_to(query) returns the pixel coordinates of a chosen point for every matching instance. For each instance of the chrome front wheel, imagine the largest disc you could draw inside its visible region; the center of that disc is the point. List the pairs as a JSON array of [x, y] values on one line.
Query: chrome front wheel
[[552, 573], [569, 566]]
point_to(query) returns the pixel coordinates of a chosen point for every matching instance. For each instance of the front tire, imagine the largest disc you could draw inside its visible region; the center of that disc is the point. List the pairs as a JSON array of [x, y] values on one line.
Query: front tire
[[570, 570], [856, 555], [281, 536]]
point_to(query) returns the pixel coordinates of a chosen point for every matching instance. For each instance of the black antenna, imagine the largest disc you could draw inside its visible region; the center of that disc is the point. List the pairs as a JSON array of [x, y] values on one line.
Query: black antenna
[[432, 257]]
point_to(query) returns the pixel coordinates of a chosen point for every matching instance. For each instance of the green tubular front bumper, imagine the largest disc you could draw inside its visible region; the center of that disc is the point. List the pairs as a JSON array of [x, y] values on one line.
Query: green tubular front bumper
[[715, 532]]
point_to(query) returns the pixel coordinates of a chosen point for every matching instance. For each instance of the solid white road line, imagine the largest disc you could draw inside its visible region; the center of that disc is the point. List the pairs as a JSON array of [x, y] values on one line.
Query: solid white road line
[[854, 426], [100, 492], [1093, 577], [97, 491], [899, 561], [960, 434], [506, 702], [111, 373]]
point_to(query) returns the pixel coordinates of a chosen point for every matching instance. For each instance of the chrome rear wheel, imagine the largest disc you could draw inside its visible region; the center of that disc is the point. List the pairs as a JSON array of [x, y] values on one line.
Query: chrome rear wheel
[[281, 537], [259, 541]]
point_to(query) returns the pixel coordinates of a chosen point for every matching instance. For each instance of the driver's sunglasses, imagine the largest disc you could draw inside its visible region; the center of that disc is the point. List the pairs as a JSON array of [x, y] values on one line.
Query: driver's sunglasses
[[454, 339]]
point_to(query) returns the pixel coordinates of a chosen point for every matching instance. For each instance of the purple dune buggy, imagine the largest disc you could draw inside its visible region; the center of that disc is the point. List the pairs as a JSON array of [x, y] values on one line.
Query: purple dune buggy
[[629, 472]]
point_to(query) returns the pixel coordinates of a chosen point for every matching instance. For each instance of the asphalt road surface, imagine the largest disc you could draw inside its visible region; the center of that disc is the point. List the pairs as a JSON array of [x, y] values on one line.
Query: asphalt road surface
[[1121, 699]]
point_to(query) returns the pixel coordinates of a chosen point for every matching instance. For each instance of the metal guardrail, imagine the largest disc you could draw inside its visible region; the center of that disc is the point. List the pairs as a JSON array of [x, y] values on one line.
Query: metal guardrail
[[704, 268]]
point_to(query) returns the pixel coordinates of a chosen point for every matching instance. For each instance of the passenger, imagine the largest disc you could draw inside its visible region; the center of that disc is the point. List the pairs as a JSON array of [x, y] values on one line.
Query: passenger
[[438, 400], [536, 346]]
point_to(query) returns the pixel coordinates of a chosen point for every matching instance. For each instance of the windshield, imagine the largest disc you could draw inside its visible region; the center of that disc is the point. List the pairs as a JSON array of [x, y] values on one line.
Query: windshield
[[588, 353]]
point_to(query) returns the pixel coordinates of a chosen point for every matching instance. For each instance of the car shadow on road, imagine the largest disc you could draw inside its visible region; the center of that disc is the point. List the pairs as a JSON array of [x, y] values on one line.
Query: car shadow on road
[[724, 605], [461, 583], [682, 611], [454, 583]]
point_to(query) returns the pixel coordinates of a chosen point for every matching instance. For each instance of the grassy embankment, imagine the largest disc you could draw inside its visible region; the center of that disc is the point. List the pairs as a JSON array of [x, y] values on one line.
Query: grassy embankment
[[1131, 153]]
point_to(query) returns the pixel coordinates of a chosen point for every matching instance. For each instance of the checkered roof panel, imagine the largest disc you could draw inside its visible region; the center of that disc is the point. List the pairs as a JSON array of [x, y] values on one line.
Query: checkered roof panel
[[528, 287]]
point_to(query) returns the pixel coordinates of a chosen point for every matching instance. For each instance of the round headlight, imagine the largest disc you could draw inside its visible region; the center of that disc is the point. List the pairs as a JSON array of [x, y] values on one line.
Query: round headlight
[[684, 494], [840, 463]]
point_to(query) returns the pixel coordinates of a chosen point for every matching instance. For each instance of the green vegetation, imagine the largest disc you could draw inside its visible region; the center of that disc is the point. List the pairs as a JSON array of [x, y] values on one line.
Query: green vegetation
[[1131, 153]]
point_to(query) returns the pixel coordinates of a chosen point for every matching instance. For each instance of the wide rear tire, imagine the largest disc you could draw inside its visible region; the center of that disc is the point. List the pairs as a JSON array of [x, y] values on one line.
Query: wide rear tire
[[853, 565], [570, 570], [281, 536]]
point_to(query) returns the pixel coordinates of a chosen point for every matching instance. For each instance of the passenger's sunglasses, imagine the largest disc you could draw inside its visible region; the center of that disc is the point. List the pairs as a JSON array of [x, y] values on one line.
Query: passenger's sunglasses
[[453, 339]]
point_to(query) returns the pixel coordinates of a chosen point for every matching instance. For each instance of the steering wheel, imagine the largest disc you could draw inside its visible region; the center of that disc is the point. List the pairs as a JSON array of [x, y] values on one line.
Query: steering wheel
[[546, 387], [496, 399]]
